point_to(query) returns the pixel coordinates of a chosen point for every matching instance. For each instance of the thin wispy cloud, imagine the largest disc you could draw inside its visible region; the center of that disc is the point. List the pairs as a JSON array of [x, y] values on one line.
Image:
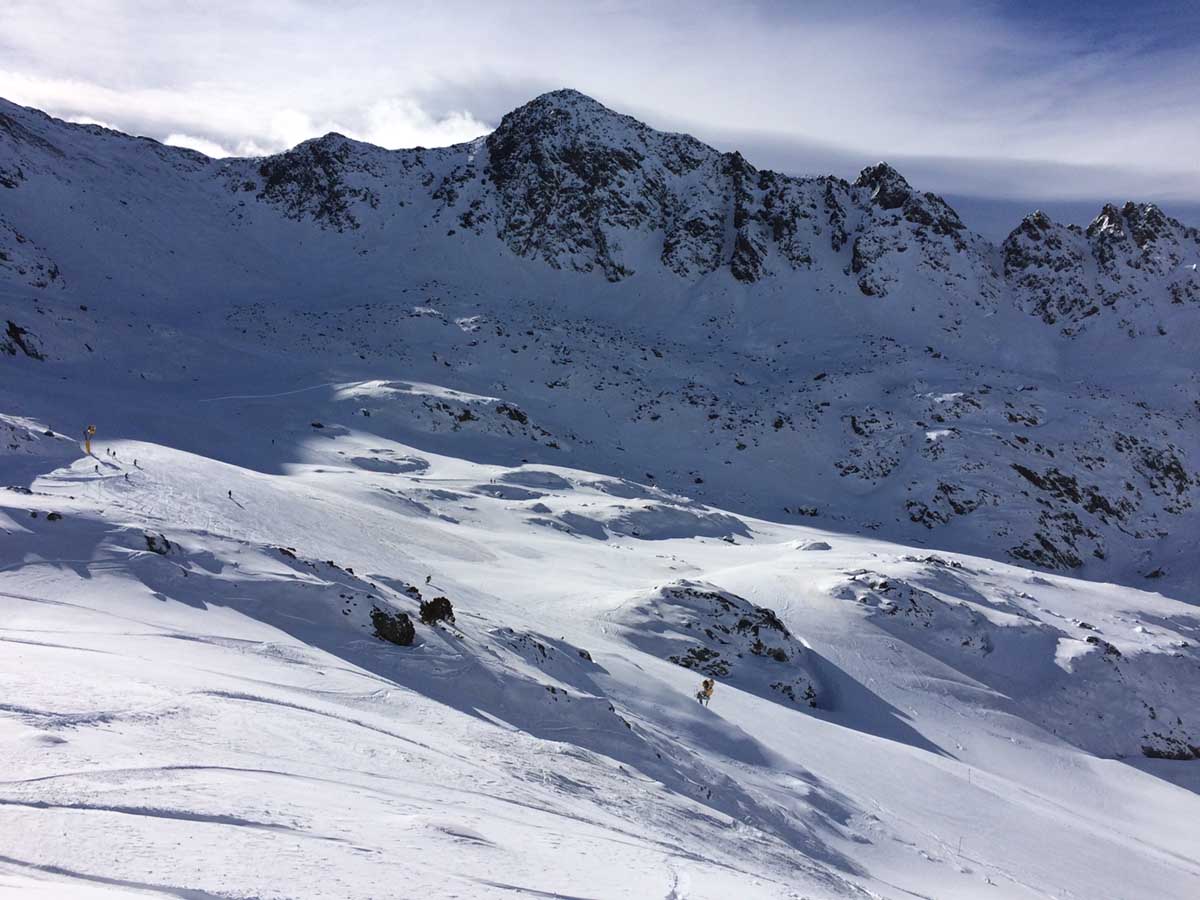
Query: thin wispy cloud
[[1036, 101]]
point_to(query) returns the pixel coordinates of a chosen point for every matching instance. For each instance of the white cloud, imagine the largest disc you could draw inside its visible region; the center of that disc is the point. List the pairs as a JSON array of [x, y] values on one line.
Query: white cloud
[[207, 147], [401, 122], [88, 120]]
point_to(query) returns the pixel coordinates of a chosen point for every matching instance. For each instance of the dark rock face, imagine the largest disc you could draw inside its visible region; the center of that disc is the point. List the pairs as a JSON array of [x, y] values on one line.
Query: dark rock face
[[15, 338], [726, 637], [310, 180], [888, 189], [439, 609], [1127, 257], [395, 628], [572, 179]]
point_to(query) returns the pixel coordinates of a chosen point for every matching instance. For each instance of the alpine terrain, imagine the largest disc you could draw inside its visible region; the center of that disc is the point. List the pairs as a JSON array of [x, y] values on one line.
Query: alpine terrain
[[427, 486]]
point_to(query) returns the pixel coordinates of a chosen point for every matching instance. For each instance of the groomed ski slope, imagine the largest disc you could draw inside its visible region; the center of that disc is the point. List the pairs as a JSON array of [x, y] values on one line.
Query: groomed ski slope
[[189, 711]]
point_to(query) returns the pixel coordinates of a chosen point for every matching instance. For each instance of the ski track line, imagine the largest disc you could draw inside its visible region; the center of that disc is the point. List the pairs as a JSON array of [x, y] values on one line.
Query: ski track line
[[269, 396], [169, 890], [166, 813]]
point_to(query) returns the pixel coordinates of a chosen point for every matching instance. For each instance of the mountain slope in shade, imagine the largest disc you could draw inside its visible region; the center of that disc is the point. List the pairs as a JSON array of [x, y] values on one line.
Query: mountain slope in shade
[[814, 325]]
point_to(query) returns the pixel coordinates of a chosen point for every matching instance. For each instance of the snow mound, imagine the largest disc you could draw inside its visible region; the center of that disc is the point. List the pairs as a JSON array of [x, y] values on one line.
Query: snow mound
[[649, 522], [388, 465], [434, 409], [663, 521], [537, 478], [28, 447]]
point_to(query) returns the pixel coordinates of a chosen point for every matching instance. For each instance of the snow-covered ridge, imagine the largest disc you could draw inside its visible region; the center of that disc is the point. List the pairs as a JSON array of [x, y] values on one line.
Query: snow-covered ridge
[[1131, 257], [568, 181]]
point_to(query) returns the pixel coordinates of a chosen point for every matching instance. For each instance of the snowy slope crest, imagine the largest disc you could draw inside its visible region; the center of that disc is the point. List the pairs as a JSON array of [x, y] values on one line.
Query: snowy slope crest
[[23, 439], [1137, 695]]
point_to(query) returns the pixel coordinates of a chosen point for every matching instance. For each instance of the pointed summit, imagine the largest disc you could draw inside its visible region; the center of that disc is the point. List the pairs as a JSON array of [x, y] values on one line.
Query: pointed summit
[[1147, 222], [888, 187], [562, 115], [566, 99], [1034, 226], [1108, 221]]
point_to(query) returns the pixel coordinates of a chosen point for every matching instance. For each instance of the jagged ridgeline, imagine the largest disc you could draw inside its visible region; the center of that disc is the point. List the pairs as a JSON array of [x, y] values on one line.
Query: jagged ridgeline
[[569, 182], [848, 352]]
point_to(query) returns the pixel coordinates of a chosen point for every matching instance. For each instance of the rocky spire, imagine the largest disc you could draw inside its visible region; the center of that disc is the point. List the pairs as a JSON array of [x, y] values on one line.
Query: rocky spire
[[888, 188]]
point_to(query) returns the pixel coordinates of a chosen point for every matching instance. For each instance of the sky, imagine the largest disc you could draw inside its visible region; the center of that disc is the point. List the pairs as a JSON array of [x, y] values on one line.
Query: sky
[[1055, 104]]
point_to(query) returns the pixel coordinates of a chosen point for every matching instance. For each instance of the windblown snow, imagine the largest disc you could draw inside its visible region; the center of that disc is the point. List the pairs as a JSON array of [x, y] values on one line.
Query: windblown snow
[[428, 485]]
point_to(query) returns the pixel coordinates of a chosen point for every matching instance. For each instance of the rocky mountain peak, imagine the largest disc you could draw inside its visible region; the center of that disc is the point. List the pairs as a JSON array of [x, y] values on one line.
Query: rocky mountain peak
[[1035, 225], [563, 117], [1146, 222], [1127, 257], [888, 188], [1136, 226], [576, 181], [567, 128], [567, 101], [1109, 221]]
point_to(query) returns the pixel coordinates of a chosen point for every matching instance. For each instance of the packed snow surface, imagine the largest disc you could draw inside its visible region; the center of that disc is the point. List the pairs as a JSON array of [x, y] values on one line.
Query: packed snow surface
[[196, 704]]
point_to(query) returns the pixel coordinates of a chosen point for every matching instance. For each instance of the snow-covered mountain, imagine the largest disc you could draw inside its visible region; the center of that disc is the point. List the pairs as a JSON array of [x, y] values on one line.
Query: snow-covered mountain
[[925, 507], [957, 381]]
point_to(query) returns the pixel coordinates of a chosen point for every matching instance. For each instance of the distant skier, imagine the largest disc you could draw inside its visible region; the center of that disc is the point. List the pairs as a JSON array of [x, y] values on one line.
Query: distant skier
[[428, 578], [706, 691], [230, 492]]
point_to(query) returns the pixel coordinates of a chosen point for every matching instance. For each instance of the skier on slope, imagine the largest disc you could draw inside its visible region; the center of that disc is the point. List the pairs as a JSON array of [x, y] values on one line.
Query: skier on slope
[[706, 691]]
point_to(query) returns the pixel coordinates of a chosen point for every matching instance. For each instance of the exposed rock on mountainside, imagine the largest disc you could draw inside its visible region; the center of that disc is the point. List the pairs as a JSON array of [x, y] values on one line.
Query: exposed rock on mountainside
[[1126, 258], [24, 262], [15, 339], [721, 635], [312, 181]]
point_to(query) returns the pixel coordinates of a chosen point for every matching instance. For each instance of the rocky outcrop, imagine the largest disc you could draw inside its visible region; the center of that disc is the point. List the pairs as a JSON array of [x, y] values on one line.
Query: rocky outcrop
[[313, 180], [25, 262], [1130, 257], [723, 636]]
